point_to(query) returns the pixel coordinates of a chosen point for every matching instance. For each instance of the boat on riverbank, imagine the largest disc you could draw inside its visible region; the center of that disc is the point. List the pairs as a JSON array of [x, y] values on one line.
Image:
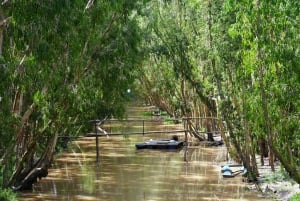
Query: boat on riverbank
[[227, 171]]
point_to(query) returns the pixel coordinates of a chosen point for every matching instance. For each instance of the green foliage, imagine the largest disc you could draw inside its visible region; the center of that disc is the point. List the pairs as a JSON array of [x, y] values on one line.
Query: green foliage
[[279, 175], [7, 195], [295, 197], [69, 64], [75, 64], [264, 71], [246, 54], [175, 43], [147, 113]]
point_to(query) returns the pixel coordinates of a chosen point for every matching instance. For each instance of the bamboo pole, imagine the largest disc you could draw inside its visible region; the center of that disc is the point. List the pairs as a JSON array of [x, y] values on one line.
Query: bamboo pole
[[97, 143]]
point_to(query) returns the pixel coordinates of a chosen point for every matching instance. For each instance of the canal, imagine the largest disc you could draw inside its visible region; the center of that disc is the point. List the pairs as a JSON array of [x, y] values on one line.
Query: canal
[[126, 174]]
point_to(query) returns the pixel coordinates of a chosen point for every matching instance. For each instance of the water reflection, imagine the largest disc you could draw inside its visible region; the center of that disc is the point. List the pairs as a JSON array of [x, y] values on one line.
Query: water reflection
[[127, 174]]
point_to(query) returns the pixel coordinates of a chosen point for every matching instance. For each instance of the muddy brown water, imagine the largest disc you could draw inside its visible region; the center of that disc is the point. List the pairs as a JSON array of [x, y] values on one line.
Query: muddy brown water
[[126, 174]]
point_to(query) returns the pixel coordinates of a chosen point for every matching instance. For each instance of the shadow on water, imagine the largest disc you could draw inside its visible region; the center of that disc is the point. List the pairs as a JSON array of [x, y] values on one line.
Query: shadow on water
[[127, 174]]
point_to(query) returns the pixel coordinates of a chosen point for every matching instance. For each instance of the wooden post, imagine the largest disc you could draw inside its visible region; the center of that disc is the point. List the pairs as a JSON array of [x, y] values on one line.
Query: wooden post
[[97, 143], [185, 138], [143, 127]]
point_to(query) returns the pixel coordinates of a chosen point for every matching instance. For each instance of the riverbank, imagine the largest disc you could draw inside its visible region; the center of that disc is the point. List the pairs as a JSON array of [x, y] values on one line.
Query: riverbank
[[277, 185]]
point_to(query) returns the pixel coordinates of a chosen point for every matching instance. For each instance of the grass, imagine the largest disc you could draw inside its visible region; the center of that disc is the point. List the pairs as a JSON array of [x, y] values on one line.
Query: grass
[[279, 175], [295, 197], [147, 113]]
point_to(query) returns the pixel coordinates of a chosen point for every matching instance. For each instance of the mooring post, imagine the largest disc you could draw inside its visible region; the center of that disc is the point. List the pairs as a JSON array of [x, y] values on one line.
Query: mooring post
[[143, 127], [185, 138], [97, 142]]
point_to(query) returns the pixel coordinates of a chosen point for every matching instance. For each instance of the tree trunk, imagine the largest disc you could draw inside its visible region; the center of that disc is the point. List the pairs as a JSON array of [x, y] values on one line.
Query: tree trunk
[[39, 169], [191, 129], [3, 22], [263, 149], [265, 112], [220, 91], [267, 121], [289, 166]]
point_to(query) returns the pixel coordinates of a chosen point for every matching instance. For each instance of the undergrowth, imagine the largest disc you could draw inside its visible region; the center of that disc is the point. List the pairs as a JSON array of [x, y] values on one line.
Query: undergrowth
[[7, 195], [295, 197]]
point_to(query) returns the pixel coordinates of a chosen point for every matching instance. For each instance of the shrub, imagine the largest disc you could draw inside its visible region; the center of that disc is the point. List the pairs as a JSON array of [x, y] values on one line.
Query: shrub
[[7, 195]]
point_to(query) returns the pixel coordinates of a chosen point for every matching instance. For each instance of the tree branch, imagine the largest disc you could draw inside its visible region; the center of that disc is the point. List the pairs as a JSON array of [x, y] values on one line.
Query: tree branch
[[89, 5], [5, 21]]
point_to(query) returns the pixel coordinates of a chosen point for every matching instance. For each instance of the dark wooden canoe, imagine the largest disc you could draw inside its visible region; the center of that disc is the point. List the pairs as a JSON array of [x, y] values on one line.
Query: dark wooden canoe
[[160, 144]]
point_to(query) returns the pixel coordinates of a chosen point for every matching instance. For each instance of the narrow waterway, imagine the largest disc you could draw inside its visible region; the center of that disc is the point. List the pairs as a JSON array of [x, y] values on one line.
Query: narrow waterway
[[126, 174]]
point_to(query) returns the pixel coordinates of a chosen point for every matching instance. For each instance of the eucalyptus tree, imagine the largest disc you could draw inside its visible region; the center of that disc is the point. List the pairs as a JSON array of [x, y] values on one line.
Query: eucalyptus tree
[[225, 73], [157, 79], [178, 50], [243, 53], [158, 86], [186, 39], [62, 63], [268, 74]]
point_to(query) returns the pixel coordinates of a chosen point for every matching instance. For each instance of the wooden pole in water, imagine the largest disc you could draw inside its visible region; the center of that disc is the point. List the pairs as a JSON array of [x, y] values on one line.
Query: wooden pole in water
[[97, 143], [186, 140], [143, 127]]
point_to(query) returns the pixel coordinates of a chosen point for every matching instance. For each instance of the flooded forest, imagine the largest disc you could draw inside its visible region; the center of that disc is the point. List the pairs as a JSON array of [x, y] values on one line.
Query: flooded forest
[[126, 173], [149, 100]]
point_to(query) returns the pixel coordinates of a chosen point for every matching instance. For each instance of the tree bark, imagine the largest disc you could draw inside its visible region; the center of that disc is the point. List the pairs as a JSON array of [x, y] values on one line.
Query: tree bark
[[3, 23], [217, 77], [39, 170], [266, 112]]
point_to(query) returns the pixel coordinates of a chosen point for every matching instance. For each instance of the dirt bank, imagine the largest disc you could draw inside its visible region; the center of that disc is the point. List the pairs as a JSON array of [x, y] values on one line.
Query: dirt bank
[[276, 185]]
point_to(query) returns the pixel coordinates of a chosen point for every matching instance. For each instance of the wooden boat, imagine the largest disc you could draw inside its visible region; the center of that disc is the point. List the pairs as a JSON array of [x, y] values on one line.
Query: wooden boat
[[160, 144]]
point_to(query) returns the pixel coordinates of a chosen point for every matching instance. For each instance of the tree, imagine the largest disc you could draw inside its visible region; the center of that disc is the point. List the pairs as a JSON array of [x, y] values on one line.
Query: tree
[[267, 54], [173, 42], [242, 54], [62, 64]]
